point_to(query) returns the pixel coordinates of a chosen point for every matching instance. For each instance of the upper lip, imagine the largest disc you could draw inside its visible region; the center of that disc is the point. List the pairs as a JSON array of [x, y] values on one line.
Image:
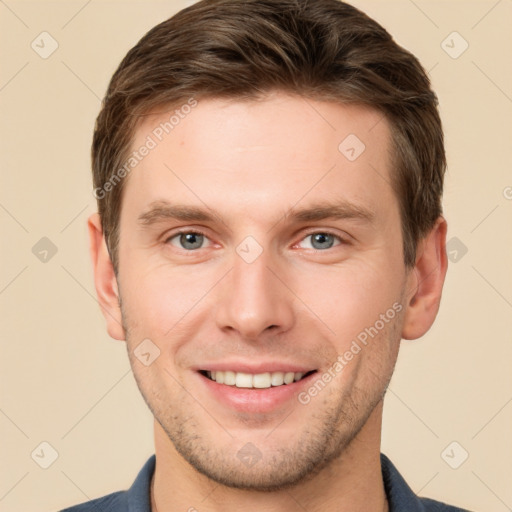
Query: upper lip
[[255, 368]]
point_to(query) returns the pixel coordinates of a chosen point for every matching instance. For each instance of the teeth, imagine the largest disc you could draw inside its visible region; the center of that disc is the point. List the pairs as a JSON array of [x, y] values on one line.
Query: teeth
[[229, 378], [289, 377], [277, 379], [243, 380], [259, 380]]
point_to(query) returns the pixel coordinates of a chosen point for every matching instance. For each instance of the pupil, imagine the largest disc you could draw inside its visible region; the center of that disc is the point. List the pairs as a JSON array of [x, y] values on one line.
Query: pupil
[[191, 240], [324, 240]]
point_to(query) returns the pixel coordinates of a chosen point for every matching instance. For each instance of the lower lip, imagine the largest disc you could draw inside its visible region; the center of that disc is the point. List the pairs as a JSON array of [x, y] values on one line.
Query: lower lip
[[253, 399]]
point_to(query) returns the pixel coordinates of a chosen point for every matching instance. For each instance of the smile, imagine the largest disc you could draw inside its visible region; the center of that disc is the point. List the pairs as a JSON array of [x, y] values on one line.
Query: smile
[[257, 381]]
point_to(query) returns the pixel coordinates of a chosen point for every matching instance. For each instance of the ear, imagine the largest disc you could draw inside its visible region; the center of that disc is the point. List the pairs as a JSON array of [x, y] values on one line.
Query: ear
[[425, 282], [105, 279]]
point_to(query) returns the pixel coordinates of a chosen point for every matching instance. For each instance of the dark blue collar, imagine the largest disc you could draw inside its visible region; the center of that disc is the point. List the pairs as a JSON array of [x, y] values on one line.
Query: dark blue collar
[[137, 498]]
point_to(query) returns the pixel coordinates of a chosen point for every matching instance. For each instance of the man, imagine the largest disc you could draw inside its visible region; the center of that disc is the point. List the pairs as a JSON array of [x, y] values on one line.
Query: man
[[269, 177]]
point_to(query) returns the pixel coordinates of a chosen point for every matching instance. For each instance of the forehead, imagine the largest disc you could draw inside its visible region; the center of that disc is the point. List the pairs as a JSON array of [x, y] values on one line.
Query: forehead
[[254, 155]]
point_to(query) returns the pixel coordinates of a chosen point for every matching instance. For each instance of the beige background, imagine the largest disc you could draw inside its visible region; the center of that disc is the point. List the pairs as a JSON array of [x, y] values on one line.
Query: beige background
[[65, 382]]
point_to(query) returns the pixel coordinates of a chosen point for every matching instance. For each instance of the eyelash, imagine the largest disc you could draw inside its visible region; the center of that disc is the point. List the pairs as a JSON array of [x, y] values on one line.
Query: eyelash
[[342, 240]]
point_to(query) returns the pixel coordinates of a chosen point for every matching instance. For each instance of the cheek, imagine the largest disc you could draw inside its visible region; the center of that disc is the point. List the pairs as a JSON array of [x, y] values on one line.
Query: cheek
[[350, 297], [156, 298]]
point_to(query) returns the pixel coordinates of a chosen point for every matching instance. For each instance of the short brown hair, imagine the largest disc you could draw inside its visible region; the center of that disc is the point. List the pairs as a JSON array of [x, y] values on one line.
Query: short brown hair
[[321, 49]]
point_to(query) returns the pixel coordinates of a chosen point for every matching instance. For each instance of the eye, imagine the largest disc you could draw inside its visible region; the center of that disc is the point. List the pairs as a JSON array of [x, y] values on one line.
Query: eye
[[188, 240], [321, 241]]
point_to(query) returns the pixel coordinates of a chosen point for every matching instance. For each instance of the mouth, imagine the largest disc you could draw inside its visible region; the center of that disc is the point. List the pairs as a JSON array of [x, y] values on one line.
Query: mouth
[[263, 380]]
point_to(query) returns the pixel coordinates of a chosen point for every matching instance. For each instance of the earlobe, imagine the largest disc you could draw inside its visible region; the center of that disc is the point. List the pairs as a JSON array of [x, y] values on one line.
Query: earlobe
[[425, 283], [105, 279]]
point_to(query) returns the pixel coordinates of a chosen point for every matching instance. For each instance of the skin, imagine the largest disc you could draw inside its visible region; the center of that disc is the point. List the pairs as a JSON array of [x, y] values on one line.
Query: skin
[[253, 163]]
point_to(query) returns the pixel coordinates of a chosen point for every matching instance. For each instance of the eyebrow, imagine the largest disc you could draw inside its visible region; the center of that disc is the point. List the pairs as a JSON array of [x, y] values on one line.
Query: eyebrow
[[341, 210], [162, 210], [159, 211]]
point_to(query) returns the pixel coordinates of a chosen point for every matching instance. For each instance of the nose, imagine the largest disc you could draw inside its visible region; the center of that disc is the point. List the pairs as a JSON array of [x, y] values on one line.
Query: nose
[[255, 300]]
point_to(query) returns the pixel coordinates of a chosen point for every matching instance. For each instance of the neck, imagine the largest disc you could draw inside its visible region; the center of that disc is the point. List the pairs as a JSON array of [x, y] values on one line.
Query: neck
[[352, 482]]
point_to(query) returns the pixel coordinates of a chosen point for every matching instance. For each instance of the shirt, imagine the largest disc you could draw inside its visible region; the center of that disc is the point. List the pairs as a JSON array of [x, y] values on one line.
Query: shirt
[[137, 498]]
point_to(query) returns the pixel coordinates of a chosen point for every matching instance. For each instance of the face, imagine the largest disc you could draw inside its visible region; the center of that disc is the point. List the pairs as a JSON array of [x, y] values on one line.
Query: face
[[253, 243]]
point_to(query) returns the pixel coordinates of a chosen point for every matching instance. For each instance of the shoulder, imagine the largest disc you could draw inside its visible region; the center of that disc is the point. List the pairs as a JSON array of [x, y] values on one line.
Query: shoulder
[[436, 506], [401, 497], [112, 503], [135, 499]]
